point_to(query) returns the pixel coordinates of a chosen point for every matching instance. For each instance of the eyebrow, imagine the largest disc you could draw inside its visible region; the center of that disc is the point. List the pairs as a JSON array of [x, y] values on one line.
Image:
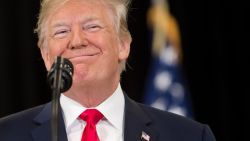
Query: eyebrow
[[89, 19], [83, 20], [59, 24]]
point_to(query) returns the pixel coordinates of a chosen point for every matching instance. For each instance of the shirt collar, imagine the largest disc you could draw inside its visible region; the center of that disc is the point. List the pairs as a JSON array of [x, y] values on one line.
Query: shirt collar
[[112, 109]]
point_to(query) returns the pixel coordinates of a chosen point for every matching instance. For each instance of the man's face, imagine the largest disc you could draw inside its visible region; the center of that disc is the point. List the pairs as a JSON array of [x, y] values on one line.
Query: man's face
[[83, 31]]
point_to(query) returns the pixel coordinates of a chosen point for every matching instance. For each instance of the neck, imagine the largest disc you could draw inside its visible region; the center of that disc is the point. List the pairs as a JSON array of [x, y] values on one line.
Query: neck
[[91, 95]]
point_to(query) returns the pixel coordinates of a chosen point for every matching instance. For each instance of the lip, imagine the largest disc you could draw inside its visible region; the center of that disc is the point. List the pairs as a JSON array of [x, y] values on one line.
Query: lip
[[83, 57]]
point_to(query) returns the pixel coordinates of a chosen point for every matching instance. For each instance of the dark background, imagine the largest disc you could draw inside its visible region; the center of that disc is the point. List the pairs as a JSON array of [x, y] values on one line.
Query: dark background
[[215, 60]]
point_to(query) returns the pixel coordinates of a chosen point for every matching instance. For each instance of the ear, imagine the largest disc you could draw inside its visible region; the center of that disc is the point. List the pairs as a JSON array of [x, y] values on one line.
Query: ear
[[124, 49], [46, 58]]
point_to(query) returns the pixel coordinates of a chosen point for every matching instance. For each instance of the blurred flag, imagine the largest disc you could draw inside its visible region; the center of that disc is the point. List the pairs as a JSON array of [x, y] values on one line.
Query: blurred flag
[[165, 87]]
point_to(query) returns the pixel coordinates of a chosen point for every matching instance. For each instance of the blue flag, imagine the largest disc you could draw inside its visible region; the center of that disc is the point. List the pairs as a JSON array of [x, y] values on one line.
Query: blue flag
[[165, 88]]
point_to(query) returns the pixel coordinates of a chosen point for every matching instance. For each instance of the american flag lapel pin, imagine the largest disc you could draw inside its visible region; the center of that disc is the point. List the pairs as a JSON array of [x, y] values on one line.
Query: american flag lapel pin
[[145, 136]]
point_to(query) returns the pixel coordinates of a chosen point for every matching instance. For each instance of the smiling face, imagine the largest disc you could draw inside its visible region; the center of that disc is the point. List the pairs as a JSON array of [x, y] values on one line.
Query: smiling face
[[84, 32]]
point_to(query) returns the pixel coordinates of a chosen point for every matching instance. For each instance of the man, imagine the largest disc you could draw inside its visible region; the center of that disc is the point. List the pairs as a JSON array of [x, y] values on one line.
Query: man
[[93, 35]]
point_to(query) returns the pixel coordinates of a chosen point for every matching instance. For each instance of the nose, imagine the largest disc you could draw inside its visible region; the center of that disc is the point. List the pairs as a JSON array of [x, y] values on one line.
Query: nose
[[78, 39]]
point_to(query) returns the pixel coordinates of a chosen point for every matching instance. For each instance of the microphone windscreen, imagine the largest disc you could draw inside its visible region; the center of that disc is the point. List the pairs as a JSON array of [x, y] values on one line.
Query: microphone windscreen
[[66, 69]]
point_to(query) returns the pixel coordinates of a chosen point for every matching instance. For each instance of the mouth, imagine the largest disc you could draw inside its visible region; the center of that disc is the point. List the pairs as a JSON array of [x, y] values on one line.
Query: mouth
[[83, 57]]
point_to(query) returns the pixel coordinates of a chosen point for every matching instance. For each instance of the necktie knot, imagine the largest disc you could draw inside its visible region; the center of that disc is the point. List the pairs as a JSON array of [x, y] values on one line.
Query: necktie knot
[[91, 116]]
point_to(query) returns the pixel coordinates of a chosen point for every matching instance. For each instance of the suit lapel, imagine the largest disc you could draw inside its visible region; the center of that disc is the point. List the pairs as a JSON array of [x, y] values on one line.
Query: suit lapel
[[43, 130], [137, 123]]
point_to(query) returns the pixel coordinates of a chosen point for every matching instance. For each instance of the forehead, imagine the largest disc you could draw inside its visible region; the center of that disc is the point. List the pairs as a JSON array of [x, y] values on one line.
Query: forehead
[[72, 9]]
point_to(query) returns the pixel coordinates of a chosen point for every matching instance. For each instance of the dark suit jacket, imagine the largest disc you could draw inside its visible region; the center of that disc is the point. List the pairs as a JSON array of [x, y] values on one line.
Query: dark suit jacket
[[34, 125]]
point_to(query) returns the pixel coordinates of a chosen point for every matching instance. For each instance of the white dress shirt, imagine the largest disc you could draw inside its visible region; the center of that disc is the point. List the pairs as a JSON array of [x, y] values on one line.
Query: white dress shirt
[[110, 128]]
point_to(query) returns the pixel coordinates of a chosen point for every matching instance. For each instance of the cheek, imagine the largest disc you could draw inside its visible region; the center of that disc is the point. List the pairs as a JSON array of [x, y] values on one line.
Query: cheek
[[56, 48], [80, 72], [109, 58], [107, 43]]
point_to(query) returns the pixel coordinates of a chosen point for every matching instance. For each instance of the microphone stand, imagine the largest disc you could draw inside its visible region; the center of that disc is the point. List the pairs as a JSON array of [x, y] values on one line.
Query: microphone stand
[[60, 80], [55, 98]]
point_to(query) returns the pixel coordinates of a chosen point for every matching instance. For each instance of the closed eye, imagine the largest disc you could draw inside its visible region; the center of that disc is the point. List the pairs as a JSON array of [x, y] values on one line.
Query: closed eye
[[92, 27], [61, 33]]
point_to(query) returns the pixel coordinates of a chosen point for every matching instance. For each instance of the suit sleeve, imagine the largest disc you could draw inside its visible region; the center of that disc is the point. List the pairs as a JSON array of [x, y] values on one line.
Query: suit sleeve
[[207, 134]]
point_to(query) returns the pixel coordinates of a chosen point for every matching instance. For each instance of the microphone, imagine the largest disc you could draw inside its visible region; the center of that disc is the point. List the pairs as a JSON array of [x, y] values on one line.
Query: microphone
[[60, 80], [61, 69]]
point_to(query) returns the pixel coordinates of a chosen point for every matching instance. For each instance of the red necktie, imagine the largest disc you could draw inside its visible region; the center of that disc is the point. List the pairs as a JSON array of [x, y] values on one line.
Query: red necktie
[[91, 116]]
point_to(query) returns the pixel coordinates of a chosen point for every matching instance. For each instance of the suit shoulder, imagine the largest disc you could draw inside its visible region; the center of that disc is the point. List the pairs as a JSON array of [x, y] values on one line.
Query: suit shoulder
[[168, 118], [20, 117], [18, 126], [170, 125]]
